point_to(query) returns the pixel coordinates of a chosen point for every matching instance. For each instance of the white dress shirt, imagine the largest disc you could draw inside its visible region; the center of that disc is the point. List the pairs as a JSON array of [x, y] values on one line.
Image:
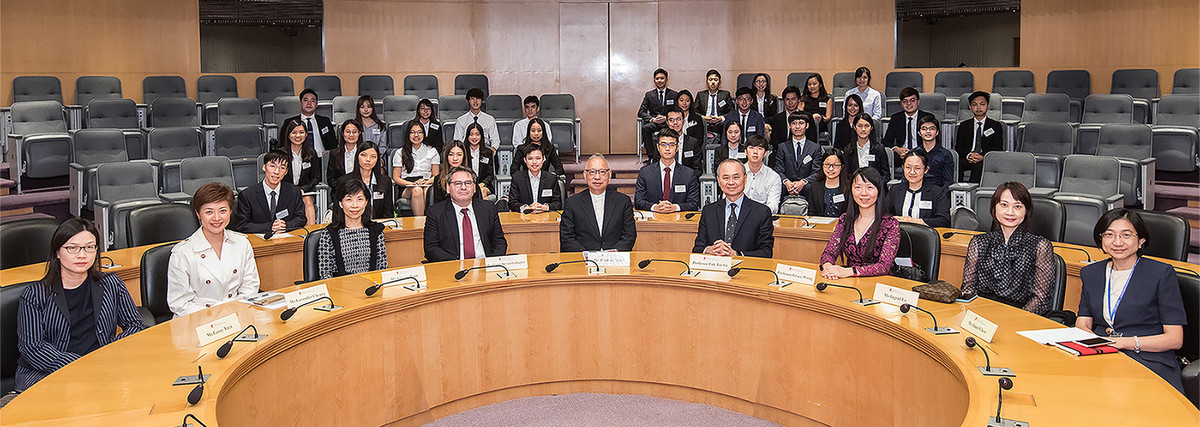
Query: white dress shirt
[[521, 127], [491, 136], [535, 181], [912, 204], [348, 160], [197, 278], [872, 101], [862, 152], [764, 187], [458, 215], [297, 165], [598, 207], [311, 122], [423, 160]]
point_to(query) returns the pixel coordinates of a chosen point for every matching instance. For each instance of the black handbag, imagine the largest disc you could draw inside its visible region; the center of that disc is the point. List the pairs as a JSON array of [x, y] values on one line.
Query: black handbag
[[914, 272]]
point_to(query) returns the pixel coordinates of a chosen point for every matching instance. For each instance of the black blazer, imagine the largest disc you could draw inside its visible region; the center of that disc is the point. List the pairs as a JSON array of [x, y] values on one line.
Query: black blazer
[[965, 135], [651, 107], [549, 151], [754, 121], [779, 128], [383, 198], [336, 167], [433, 137], [724, 102], [578, 230], [695, 126], [880, 163], [693, 153], [442, 240], [519, 191], [844, 134], [310, 175], [938, 198], [487, 167], [328, 131], [753, 235], [722, 152], [795, 167], [648, 189], [255, 215], [897, 126], [770, 104]]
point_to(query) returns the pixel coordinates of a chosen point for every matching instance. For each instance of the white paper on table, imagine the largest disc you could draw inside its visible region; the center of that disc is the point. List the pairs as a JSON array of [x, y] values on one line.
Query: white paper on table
[[821, 220], [1051, 336]]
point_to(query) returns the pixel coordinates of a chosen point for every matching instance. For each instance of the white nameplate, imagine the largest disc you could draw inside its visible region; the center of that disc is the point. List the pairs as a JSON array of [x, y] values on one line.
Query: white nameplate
[[513, 262], [218, 329], [870, 157], [608, 259], [643, 216], [297, 298], [681, 188], [895, 296], [977, 325], [710, 262], [791, 273], [391, 275]]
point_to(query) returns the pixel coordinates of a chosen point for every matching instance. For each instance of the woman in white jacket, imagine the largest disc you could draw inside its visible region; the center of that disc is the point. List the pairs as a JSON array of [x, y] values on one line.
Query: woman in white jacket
[[213, 265]]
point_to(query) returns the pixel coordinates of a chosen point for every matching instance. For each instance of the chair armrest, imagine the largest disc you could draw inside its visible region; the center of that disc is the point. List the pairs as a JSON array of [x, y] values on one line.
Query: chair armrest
[[77, 167], [175, 197], [147, 317], [1043, 192], [102, 203], [964, 186]]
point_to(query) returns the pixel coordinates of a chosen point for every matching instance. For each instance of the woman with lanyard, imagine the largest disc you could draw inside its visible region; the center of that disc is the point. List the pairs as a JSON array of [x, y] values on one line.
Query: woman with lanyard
[[1134, 301], [1009, 264], [915, 199]]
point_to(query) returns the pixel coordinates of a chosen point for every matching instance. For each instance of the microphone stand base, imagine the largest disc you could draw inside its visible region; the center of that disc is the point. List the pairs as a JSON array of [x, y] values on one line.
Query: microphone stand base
[[1005, 422], [865, 302], [942, 330], [416, 287], [190, 380], [692, 273], [249, 337], [508, 275], [327, 307], [996, 372], [595, 270], [779, 283]]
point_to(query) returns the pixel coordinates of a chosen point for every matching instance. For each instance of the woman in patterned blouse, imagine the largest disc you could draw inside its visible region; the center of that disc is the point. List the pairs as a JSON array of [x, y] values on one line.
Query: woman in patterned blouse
[[352, 243], [1009, 264], [864, 234]]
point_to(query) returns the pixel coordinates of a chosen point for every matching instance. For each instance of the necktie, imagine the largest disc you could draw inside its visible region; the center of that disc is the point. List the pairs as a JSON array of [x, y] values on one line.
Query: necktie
[[312, 130], [731, 222], [476, 119], [667, 183], [744, 131], [662, 98], [912, 203], [272, 204], [468, 235], [978, 135], [712, 104], [908, 135]]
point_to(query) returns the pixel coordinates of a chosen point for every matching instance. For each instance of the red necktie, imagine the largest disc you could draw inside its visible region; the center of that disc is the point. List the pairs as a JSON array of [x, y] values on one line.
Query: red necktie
[[468, 235], [667, 183]]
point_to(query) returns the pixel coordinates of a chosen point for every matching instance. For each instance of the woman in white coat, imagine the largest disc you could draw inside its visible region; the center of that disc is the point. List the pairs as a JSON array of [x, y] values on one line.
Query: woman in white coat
[[213, 265]]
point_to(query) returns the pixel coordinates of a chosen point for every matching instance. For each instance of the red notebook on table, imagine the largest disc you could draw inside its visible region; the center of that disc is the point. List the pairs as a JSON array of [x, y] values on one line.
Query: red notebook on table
[[1078, 349]]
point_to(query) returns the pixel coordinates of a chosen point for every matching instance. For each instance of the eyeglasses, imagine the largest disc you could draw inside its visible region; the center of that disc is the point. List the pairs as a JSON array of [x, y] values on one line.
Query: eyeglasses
[[674, 119], [1125, 235], [466, 183], [91, 249], [595, 172], [667, 144], [417, 132], [832, 165]]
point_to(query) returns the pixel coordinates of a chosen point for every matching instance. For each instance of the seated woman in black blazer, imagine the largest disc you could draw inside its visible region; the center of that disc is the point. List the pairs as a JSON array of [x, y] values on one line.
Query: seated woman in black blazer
[[342, 158], [828, 197], [521, 195], [352, 243], [427, 116], [369, 170], [732, 146], [843, 133], [866, 150], [74, 310], [915, 199], [482, 160], [304, 169], [1009, 264], [535, 138], [1135, 301]]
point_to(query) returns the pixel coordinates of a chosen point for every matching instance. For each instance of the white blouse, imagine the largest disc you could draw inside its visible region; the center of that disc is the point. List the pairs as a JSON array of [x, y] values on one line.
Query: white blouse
[[198, 279]]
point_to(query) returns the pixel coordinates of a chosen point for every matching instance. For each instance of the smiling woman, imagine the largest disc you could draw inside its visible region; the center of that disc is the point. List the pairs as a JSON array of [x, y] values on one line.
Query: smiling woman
[[1010, 264], [352, 243], [213, 265]]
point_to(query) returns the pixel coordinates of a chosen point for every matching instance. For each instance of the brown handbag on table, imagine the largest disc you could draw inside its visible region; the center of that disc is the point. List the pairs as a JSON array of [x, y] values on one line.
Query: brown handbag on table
[[939, 291]]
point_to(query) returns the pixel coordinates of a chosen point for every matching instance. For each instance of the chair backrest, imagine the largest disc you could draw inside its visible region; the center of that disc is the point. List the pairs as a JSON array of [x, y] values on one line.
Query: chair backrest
[[10, 302], [465, 82], [1178, 110], [239, 141], [994, 106], [1169, 235], [111, 113], [1077, 84], [1189, 289], [175, 143], [1004, 166], [26, 241], [239, 111], [1131, 141], [160, 223], [505, 107], [1046, 107], [311, 269], [284, 107], [1186, 81], [377, 86], [197, 171], [1048, 138], [38, 88], [798, 79], [842, 82], [90, 147], [421, 86], [211, 88], [452, 106], [1138, 83], [898, 80], [267, 88], [172, 112], [934, 103], [126, 181], [1060, 283], [558, 106], [963, 218], [1049, 219], [88, 88], [1108, 108], [747, 80], [154, 268], [344, 108], [154, 87], [399, 108], [923, 244], [33, 117], [1088, 174], [327, 87], [953, 84], [1016, 83]]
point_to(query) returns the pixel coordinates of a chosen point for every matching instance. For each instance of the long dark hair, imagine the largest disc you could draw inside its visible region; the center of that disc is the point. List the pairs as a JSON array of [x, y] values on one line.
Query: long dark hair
[[444, 171], [873, 137], [817, 202], [432, 110], [374, 114], [857, 101], [754, 87], [467, 135], [65, 232], [364, 146], [691, 102], [349, 187], [529, 131], [822, 94], [725, 133], [307, 152], [406, 150], [872, 177]]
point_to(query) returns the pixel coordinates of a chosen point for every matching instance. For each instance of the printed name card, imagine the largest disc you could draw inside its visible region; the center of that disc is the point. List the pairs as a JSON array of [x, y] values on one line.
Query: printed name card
[[218, 329], [977, 325], [608, 259], [895, 296], [513, 262], [794, 274], [643, 216], [298, 298], [710, 262], [393, 275]]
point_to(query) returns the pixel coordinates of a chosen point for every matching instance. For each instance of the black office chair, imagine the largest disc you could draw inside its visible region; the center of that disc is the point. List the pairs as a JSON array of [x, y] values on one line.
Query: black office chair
[[963, 218], [311, 269], [154, 269], [162, 223], [26, 241], [1169, 235], [1059, 289], [1189, 288], [923, 245], [10, 299], [1049, 219]]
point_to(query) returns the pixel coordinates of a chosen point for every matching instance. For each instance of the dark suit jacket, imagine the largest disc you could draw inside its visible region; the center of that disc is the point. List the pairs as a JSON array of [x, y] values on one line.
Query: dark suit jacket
[[937, 196], [843, 134], [722, 152], [792, 166], [336, 168], [651, 107], [442, 240], [779, 128], [965, 135], [753, 235], [310, 175], [771, 105], [550, 163], [433, 137], [578, 230], [487, 167], [255, 214], [693, 153], [328, 131], [648, 189], [898, 125], [755, 123], [724, 102], [880, 164], [519, 191]]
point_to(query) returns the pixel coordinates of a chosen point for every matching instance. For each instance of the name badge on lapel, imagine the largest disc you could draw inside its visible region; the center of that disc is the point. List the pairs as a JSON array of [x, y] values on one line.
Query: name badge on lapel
[[925, 204], [670, 102], [434, 126], [988, 132], [838, 198], [721, 104], [485, 160], [546, 192], [681, 188]]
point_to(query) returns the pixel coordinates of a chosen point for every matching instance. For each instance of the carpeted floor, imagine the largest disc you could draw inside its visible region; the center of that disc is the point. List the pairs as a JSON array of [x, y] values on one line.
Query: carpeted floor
[[593, 409]]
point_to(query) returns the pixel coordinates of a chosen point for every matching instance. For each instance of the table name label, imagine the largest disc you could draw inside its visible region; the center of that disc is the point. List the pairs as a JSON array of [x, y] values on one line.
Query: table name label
[[794, 274], [218, 329], [298, 298], [974, 323], [608, 259], [513, 262], [710, 262], [895, 296]]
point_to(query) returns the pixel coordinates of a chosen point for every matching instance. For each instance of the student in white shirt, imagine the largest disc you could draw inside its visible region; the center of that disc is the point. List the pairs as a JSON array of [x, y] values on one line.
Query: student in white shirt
[[532, 110], [872, 99], [763, 184], [414, 166], [476, 115], [213, 265]]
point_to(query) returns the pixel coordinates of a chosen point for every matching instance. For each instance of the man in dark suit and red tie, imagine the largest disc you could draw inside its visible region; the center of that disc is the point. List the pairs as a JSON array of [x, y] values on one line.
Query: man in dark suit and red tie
[[653, 111], [600, 218], [463, 227], [666, 186]]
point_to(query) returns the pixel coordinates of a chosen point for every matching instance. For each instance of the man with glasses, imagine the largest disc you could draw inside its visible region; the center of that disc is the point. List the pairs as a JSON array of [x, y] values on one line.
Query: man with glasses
[[463, 227], [665, 186], [273, 205], [598, 219], [315, 124], [690, 148], [903, 126]]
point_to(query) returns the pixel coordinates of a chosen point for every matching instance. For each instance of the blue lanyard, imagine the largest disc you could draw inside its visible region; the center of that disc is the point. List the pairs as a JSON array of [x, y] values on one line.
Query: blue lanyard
[[1112, 309]]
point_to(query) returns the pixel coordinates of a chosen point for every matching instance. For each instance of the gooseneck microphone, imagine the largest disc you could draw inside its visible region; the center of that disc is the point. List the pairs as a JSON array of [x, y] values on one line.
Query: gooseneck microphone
[[861, 301], [988, 370], [950, 234], [554, 265], [735, 270], [393, 221], [1085, 253], [1005, 384], [225, 348], [463, 273], [777, 216], [197, 392], [689, 215], [904, 308], [376, 287], [287, 314], [643, 263], [193, 417]]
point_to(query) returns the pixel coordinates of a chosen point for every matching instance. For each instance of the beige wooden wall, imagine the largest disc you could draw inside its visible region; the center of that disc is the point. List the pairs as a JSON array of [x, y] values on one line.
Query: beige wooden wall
[[602, 52]]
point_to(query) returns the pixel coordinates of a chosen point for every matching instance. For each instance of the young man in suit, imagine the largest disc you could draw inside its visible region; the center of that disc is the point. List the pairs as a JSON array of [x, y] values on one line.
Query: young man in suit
[[778, 127], [666, 186], [274, 205], [534, 190], [448, 221], [653, 111], [316, 124], [976, 137], [714, 102], [600, 218], [735, 225], [903, 126], [690, 150], [751, 121], [795, 159]]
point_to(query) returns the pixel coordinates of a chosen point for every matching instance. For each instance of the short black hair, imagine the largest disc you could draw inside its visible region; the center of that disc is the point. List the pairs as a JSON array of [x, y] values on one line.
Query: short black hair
[[800, 115], [909, 91], [712, 72], [475, 93], [1109, 217], [987, 97], [307, 91], [668, 133], [673, 109], [277, 156], [744, 91], [532, 100], [661, 71], [756, 141], [790, 89]]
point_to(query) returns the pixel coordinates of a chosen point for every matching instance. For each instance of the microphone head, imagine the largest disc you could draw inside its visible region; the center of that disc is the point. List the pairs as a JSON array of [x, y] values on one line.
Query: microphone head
[[1006, 383], [689, 215], [904, 308], [970, 342], [287, 314], [947, 235], [774, 217], [195, 395], [551, 267], [224, 349], [643, 263], [822, 285], [734, 271], [373, 289], [460, 274]]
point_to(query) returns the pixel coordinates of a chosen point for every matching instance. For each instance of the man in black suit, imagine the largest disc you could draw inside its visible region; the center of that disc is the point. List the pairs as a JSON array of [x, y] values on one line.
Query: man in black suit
[[751, 121], [522, 196], [713, 103], [600, 218], [316, 124], [274, 205], [902, 127], [690, 150], [778, 127], [653, 111], [666, 186], [735, 225], [976, 137], [463, 215], [796, 159]]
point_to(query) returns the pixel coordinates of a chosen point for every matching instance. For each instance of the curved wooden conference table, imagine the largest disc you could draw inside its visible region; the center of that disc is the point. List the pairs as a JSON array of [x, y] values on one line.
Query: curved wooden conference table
[[791, 355]]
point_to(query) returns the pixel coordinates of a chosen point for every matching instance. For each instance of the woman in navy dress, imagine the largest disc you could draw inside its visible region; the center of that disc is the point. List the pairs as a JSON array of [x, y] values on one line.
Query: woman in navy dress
[[1135, 301]]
